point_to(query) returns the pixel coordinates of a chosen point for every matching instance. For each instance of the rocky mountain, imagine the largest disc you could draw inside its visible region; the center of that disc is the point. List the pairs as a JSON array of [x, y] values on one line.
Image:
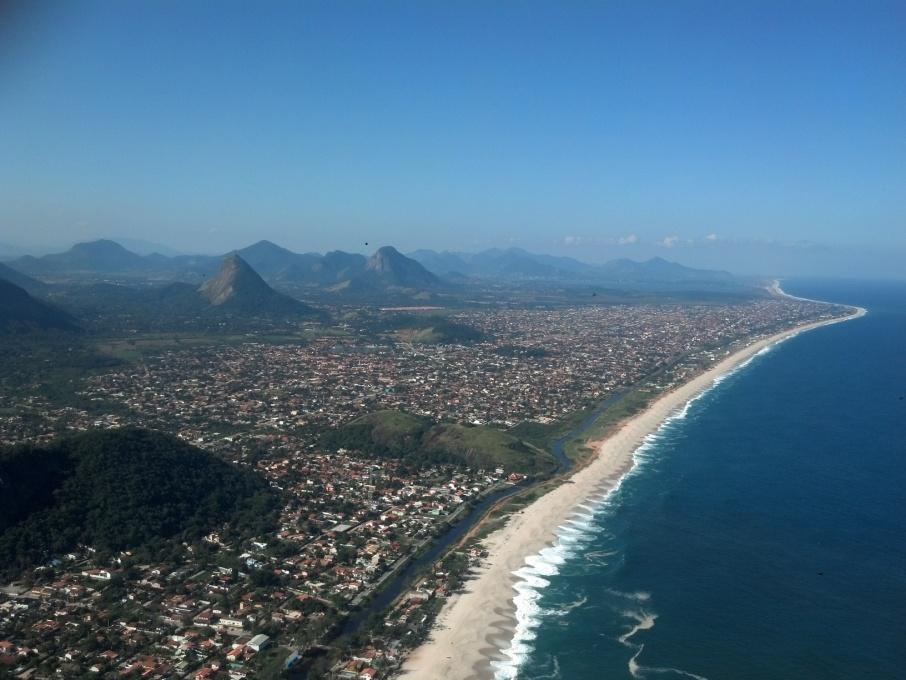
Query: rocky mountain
[[335, 271], [238, 288], [234, 297], [275, 262], [350, 275], [20, 312], [393, 268]]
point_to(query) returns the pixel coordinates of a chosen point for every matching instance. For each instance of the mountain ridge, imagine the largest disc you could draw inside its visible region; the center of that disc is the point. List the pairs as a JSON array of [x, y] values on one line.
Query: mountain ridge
[[21, 312], [342, 273]]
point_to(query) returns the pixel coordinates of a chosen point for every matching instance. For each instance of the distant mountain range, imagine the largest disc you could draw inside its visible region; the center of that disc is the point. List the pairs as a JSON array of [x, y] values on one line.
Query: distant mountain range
[[335, 271], [422, 272], [119, 288], [515, 263], [236, 296]]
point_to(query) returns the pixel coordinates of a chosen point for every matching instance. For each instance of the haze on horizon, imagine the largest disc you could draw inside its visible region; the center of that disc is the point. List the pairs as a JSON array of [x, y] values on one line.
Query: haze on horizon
[[764, 137]]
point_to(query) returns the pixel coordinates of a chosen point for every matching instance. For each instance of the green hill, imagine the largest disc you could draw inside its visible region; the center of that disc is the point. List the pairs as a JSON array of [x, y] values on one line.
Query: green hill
[[118, 489], [486, 447], [428, 329], [443, 332], [420, 442]]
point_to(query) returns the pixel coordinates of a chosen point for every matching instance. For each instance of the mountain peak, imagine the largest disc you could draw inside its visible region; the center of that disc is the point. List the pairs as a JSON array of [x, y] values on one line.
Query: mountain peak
[[238, 288], [266, 246], [101, 245], [97, 257], [103, 250], [384, 259], [235, 280], [392, 266]]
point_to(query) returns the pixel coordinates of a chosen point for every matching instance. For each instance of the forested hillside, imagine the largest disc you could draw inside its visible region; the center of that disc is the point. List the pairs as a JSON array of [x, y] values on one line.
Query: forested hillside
[[118, 489]]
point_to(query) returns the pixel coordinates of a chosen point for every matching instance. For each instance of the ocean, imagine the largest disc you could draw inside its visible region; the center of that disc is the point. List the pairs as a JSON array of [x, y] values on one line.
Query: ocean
[[761, 532]]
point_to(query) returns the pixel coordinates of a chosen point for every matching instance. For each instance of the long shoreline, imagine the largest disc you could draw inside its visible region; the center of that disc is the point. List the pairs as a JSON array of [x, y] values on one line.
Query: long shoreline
[[476, 624]]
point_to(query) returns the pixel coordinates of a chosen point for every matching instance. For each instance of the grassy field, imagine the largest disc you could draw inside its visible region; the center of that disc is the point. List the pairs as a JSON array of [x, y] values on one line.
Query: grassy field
[[488, 448], [419, 440]]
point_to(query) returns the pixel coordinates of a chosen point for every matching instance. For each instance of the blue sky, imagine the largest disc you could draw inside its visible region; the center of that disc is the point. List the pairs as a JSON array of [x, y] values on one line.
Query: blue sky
[[704, 131]]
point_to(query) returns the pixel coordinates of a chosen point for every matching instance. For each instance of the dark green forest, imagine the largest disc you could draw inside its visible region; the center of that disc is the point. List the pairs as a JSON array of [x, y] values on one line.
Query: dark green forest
[[119, 489]]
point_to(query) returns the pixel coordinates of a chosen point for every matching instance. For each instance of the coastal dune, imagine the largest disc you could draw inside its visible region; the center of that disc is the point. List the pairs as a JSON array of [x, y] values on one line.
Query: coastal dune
[[476, 624]]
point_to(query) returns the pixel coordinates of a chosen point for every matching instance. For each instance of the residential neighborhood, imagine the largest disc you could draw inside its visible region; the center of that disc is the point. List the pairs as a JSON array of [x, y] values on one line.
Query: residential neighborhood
[[231, 606]]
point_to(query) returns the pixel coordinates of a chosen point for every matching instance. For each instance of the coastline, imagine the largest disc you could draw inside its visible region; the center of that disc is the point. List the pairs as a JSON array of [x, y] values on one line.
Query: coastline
[[476, 624]]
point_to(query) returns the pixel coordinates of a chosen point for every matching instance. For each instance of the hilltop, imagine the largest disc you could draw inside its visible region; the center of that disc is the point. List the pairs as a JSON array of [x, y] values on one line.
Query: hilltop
[[395, 269], [238, 288], [236, 296], [420, 441], [94, 257], [118, 489]]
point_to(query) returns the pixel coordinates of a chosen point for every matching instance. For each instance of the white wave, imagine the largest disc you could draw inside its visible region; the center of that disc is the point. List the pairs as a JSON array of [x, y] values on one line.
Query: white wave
[[585, 516], [573, 533], [581, 523], [532, 579]]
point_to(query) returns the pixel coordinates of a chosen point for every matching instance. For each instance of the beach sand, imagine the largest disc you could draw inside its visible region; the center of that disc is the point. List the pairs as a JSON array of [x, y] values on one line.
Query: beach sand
[[476, 624]]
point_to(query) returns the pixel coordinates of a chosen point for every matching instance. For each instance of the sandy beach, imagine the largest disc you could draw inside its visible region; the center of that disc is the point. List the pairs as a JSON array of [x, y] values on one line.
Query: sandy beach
[[475, 624]]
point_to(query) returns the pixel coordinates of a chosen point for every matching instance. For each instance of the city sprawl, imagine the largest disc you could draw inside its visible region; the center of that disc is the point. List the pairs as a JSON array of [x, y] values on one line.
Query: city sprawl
[[234, 605]]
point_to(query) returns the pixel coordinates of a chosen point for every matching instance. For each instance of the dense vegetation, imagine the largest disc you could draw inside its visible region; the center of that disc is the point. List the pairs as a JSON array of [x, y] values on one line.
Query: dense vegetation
[[119, 489], [421, 442]]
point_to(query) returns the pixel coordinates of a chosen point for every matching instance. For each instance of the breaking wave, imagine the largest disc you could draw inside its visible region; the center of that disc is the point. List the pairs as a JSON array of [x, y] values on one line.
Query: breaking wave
[[534, 576]]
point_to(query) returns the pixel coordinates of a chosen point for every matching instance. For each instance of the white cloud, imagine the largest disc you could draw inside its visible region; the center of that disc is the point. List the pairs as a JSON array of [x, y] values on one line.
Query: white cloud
[[629, 239], [711, 237], [670, 241], [572, 240]]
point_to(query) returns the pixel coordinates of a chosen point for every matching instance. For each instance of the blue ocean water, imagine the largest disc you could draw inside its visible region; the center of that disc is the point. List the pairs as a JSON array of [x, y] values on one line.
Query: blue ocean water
[[762, 533]]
